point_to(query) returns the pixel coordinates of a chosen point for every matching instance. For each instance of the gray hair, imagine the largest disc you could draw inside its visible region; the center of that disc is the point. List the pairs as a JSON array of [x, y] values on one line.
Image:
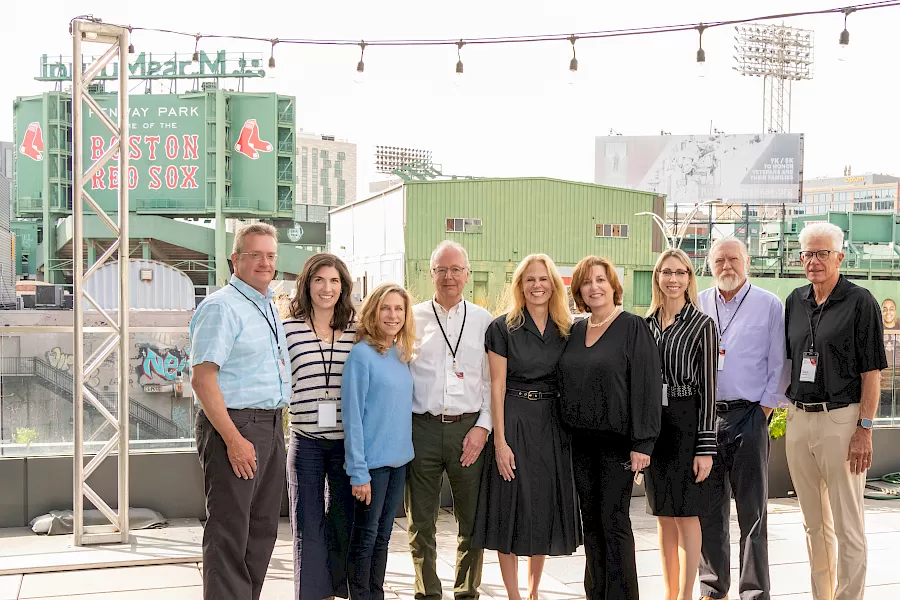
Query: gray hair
[[821, 230], [252, 229], [448, 245], [719, 243]]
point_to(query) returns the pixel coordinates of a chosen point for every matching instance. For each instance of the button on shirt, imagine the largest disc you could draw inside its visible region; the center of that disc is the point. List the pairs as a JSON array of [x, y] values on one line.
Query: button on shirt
[[848, 340], [434, 359], [231, 331], [755, 365]]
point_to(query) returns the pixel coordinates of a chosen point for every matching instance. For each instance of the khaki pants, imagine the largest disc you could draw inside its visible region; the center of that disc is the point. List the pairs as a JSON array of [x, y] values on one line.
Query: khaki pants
[[831, 499]]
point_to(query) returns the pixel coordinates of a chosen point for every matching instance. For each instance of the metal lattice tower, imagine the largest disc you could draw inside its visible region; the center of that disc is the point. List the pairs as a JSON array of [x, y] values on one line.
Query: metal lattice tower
[[116, 41], [780, 55]]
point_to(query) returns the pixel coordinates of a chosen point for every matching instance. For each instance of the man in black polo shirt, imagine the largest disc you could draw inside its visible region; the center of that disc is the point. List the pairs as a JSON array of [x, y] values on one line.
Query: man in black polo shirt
[[833, 332]]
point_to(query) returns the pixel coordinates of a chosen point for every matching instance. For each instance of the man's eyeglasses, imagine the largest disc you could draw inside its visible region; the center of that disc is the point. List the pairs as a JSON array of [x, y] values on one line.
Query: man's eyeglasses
[[442, 271], [807, 255], [258, 256], [669, 273]]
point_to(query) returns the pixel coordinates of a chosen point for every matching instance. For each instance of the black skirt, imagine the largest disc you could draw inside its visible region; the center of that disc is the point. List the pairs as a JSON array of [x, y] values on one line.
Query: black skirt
[[670, 483], [537, 512]]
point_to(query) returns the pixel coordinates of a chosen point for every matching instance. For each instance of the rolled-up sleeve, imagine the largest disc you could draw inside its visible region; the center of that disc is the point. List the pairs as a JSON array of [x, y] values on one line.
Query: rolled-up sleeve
[[645, 381], [214, 329]]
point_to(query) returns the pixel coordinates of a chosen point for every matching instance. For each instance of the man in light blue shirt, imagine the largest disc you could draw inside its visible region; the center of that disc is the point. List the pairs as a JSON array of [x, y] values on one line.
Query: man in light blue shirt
[[753, 375], [240, 376]]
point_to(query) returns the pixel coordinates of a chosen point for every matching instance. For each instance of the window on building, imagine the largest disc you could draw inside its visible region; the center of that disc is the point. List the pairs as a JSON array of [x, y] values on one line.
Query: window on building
[[611, 230], [462, 225], [862, 206], [884, 205], [342, 156], [323, 153]]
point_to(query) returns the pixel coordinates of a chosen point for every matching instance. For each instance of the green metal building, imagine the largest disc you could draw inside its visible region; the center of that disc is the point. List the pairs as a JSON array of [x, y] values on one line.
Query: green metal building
[[390, 236], [207, 156]]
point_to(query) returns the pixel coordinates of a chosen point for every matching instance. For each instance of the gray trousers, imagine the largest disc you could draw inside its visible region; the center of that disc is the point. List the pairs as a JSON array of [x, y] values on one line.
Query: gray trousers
[[242, 515], [741, 467]]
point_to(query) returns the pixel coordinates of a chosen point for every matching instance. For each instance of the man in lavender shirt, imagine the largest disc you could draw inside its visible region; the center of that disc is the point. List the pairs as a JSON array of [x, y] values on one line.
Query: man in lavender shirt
[[753, 375]]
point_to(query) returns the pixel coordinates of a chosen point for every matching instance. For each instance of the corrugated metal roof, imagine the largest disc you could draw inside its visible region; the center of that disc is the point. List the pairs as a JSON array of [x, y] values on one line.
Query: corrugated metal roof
[[167, 289]]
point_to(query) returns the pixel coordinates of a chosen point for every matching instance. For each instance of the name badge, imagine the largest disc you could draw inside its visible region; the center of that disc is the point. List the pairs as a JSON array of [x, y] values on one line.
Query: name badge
[[455, 383], [808, 368], [721, 364], [665, 396], [327, 413], [282, 370]]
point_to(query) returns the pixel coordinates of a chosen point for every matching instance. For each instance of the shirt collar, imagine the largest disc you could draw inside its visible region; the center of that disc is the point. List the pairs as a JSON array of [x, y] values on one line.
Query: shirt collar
[[249, 291], [456, 308], [745, 289], [840, 290], [531, 326]]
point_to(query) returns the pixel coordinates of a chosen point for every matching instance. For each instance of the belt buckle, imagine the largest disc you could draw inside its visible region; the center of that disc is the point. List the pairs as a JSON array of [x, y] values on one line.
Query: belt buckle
[[444, 418], [531, 395]]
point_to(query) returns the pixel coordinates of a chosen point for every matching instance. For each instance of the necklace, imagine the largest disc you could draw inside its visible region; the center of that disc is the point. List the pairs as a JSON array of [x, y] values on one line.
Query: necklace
[[604, 321]]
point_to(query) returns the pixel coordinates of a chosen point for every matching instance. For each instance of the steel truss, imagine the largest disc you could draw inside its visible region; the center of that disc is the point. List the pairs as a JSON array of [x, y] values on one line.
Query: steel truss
[[116, 40]]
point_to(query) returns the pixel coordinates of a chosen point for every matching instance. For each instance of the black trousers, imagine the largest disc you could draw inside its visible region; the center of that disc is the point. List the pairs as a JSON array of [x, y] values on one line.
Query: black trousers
[[604, 489], [742, 468], [242, 515]]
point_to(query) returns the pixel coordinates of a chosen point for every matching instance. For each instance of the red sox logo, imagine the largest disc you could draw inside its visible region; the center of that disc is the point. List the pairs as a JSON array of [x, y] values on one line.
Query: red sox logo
[[33, 144], [249, 144]]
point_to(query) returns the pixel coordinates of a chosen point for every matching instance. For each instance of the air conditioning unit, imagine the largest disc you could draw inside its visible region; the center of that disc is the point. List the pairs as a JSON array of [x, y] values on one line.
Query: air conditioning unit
[[48, 296]]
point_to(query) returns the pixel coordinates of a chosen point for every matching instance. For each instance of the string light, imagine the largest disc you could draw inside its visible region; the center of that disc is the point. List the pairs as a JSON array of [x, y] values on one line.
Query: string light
[[196, 57], [272, 56], [701, 53], [612, 33], [844, 40], [459, 65], [573, 64], [361, 66]]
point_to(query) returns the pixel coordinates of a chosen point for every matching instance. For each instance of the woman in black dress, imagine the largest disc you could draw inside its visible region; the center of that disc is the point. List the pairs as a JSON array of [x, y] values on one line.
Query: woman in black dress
[[611, 388], [682, 458], [527, 504]]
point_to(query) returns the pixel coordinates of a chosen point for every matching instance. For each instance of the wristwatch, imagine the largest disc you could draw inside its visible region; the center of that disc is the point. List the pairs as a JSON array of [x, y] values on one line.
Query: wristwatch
[[864, 423]]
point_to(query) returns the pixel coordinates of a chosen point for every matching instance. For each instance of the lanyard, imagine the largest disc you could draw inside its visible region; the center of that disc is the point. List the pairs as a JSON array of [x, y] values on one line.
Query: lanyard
[[272, 329], [719, 323], [444, 333], [330, 362], [812, 332]]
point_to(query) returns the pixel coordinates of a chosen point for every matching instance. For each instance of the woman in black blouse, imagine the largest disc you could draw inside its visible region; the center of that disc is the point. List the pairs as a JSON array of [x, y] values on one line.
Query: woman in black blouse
[[682, 458], [610, 382], [527, 504]]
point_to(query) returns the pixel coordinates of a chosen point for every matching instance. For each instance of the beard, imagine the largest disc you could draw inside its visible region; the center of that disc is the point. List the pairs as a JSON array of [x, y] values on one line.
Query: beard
[[728, 283]]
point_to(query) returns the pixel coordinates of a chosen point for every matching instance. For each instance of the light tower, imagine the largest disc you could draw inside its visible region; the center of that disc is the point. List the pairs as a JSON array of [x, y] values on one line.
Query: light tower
[[780, 55]]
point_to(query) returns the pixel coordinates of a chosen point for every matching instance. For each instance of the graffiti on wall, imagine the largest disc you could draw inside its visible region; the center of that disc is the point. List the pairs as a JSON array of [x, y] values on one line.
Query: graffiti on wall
[[160, 364], [65, 362]]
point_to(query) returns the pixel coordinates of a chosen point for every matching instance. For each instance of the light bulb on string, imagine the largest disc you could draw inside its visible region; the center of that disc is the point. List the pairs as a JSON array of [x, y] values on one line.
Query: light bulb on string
[[272, 56], [844, 40], [196, 56], [701, 53], [573, 64], [459, 63], [359, 78]]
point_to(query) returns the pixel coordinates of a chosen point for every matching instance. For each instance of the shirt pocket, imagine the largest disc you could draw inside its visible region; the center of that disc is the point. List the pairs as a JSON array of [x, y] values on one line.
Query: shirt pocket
[[753, 343]]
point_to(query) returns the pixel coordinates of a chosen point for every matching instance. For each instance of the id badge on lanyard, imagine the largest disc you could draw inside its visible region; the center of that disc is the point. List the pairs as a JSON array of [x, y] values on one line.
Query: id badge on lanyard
[[455, 382], [808, 367]]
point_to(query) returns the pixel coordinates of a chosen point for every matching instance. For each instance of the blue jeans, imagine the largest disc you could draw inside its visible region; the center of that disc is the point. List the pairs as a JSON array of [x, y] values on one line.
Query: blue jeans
[[367, 561], [320, 516]]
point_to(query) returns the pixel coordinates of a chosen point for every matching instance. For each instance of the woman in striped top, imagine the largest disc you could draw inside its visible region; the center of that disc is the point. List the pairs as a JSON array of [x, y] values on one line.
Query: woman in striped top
[[683, 455], [320, 334]]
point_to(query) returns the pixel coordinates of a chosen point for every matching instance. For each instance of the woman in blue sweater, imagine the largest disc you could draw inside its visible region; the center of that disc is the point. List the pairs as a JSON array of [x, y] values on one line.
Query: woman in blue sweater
[[376, 404]]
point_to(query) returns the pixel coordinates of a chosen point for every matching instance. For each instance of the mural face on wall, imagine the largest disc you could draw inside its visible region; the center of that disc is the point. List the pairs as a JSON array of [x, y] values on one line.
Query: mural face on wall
[[159, 364]]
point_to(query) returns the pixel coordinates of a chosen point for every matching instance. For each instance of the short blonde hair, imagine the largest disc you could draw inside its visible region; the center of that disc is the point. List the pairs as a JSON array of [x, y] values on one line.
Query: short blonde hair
[[582, 274], [369, 330], [252, 229]]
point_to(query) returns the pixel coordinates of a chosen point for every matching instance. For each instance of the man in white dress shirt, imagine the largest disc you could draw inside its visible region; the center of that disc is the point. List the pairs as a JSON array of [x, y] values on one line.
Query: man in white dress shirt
[[451, 422]]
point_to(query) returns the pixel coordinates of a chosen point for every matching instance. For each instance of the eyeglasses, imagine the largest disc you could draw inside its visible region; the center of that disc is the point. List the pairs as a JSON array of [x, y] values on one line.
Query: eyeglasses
[[258, 256], [669, 273], [807, 255], [442, 271]]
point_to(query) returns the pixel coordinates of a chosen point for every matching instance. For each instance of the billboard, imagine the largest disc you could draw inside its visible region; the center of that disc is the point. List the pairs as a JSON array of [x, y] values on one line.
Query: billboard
[[738, 168]]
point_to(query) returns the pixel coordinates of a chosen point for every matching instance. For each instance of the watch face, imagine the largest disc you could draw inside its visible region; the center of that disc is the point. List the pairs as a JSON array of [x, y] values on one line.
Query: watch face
[[866, 423]]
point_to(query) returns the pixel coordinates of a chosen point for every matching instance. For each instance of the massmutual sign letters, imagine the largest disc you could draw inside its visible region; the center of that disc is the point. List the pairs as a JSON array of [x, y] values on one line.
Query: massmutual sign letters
[[147, 65]]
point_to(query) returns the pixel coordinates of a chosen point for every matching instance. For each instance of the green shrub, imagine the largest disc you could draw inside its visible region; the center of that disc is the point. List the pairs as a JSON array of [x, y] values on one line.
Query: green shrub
[[25, 435], [778, 424]]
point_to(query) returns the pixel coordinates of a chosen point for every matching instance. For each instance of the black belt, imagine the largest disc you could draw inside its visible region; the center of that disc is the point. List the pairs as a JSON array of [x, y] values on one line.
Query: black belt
[[447, 418], [729, 405], [820, 406], [532, 395]]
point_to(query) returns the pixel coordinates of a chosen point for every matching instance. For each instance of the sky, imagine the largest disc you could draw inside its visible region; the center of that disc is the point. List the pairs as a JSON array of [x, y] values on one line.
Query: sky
[[516, 111]]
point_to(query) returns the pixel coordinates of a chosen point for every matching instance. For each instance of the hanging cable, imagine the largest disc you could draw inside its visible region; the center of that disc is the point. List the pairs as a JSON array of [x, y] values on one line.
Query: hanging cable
[[573, 64]]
